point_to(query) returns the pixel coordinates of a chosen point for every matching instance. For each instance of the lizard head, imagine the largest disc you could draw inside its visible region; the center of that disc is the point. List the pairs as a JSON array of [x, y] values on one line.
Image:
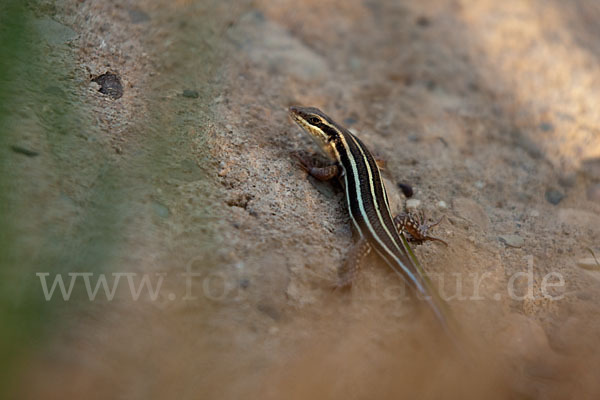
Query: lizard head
[[319, 126]]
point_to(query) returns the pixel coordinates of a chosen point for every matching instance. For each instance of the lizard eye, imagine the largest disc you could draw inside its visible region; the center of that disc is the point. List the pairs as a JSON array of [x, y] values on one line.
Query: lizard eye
[[314, 120]]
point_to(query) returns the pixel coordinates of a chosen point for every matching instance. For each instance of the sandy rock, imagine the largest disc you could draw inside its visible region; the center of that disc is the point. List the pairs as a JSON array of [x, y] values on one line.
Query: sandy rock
[[273, 48], [588, 263], [554, 196], [579, 219], [512, 240], [523, 339], [138, 16], [593, 193], [413, 203], [533, 362], [160, 209], [472, 211], [591, 168], [54, 32], [482, 105]]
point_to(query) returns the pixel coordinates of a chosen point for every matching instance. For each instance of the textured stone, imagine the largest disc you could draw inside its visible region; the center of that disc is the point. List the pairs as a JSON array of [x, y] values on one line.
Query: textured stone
[[138, 16], [523, 338], [190, 93], [512, 240], [593, 193], [591, 168], [554, 196], [413, 203], [110, 85], [272, 47], [54, 32], [472, 211], [579, 219], [588, 263]]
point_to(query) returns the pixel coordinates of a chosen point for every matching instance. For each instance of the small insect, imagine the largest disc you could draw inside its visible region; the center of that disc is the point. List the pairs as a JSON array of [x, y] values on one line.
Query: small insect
[[415, 227]]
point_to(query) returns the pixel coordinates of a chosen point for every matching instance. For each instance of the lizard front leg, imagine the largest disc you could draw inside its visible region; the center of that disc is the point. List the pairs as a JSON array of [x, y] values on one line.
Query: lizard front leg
[[317, 170]]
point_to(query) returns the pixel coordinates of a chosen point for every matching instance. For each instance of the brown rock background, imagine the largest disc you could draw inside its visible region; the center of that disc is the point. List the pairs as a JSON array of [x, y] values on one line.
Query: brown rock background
[[488, 109]]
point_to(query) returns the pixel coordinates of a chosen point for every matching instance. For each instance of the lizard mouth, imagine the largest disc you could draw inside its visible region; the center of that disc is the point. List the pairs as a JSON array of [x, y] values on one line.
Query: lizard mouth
[[294, 113], [296, 116]]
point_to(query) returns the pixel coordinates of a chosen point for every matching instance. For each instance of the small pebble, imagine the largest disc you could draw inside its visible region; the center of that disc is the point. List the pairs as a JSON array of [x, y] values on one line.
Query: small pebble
[[244, 283], [24, 151], [534, 213], [110, 85], [593, 192], [138, 16], [349, 121], [588, 263], [423, 21], [355, 63], [528, 145], [567, 180], [407, 190], [512, 240], [160, 209], [442, 204], [479, 185], [554, 196], [591, 168], [546, 127], [269, 310], [190, 94], [413, 203], [273, 330]]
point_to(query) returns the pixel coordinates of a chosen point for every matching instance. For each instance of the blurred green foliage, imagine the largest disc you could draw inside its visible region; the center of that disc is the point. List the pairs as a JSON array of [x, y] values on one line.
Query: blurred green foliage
[[17, 321], [40, 107], [64, 197]]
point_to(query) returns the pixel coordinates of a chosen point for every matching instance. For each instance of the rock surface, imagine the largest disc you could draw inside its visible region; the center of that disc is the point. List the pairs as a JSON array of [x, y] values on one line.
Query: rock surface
[[188, 179]]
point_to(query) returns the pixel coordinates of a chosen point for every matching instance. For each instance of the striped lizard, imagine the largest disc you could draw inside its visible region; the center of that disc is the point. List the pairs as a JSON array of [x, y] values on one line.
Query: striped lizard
[[367, 204]]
